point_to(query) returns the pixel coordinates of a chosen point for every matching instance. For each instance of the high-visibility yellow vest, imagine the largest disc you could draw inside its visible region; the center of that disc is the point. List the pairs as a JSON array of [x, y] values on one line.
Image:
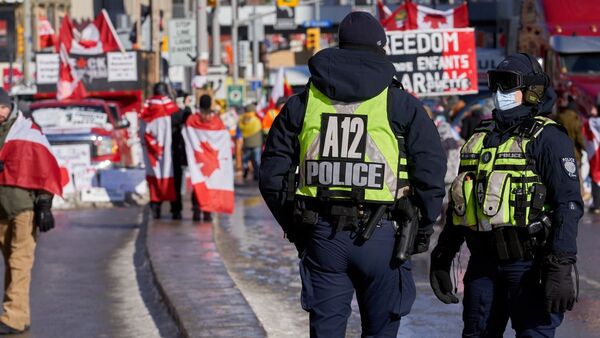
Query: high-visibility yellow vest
[[349, 151], [498, 186]]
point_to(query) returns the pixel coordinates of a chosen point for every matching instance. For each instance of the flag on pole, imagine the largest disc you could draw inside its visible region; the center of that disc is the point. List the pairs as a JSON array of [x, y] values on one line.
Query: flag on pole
[[46, 34], [28, 159], [98, 37], [397, 20], [422, 17], [69, 84], [156, 117], [208, 150], [383, 11]]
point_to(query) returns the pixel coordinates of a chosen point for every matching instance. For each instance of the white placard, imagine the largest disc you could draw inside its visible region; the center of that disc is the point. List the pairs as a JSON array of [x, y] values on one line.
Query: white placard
[[122, 66], [76, 159], [46, 68]]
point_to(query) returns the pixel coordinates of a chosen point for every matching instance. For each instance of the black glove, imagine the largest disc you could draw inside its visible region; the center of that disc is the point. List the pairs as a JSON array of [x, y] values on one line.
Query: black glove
[[42, 214], [422, 241], [557, 283], [439, 275]]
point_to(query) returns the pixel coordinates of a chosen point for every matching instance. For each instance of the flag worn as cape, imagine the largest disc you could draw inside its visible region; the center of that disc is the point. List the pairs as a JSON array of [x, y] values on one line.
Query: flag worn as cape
[[591, 133], [156, 117], [28, 159], [208, 150]]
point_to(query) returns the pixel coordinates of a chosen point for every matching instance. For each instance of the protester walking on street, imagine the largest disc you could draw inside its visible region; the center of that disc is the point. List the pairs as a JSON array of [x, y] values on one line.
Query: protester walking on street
[[271, 114], [178, 152], [210, 162], [351, 134], [516, 202], [251, 128], [592, 147], [158, 138], [29, 177]]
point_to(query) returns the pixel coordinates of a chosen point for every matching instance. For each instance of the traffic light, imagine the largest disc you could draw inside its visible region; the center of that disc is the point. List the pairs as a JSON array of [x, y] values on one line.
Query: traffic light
[[313, 38], [287, 3], [20, 50], [211, 3]]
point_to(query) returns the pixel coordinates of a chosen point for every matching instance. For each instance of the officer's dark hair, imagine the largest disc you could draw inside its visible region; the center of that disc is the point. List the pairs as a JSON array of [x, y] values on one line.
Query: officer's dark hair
[[161, 88]]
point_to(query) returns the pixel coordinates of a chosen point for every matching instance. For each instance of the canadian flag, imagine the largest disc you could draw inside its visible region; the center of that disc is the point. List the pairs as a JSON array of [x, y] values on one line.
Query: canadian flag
[[69, 83], [591, 131], [98, 37], [392, 21], [28, 159], [281, 88], [156, 117], [421, 17], [46, 34], [208, 150]]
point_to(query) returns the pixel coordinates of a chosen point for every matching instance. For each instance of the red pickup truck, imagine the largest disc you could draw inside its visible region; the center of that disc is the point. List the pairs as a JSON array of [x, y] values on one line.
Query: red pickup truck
[[94, 126]]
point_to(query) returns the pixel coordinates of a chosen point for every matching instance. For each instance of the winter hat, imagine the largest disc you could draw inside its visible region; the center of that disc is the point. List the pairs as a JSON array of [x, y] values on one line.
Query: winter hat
[[360, 30], [4, 98], [205, 102]]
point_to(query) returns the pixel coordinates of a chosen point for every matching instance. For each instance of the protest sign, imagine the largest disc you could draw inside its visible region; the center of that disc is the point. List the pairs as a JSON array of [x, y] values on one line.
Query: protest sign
[[434, 62]]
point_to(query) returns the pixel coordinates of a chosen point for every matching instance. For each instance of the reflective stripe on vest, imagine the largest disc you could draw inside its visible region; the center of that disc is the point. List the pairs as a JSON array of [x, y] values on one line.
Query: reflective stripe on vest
[[350, 148], [495, 186]]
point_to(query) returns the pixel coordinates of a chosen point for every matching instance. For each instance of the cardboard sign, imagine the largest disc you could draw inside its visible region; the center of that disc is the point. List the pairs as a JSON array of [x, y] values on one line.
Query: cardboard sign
[[434, 62]]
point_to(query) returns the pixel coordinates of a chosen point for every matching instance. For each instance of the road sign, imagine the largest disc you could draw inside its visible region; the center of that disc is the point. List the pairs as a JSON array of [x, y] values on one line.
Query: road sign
[[317, 24], [235, 95], [285, 18], [182, 42], [287, 3]]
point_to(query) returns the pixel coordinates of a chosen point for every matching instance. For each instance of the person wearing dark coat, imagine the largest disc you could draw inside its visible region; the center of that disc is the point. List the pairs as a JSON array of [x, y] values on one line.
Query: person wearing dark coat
[[516, 203], [325, 224]]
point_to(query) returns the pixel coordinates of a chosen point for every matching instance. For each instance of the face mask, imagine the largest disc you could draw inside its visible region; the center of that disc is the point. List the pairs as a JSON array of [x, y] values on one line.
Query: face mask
[[506, 101]]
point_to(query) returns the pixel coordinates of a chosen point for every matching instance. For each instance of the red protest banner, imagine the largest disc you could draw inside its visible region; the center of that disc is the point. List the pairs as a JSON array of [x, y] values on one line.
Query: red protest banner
[[435, 62]]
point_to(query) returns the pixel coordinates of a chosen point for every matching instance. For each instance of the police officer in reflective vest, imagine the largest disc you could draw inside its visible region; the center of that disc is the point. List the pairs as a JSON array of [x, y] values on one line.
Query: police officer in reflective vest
[[348, 165], [516, 202]]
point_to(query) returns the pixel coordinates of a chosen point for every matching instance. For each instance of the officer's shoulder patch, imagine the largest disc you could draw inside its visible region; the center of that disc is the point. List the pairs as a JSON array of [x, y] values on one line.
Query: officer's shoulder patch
[[570, 167]]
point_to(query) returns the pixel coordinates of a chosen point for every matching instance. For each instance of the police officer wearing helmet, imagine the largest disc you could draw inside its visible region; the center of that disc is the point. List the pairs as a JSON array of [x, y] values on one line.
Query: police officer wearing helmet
[[516, 202], [368, 161]]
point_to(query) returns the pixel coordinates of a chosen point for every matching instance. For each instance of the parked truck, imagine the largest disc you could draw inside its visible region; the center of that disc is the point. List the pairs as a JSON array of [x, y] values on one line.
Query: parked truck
[[565, 36]]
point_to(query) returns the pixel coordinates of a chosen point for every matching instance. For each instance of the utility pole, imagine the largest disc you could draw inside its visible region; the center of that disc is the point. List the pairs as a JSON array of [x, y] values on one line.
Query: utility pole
[[255, 45], [318, 10], [216, 35], [27, 53], [234, 39], [155, 38], [202, 29]]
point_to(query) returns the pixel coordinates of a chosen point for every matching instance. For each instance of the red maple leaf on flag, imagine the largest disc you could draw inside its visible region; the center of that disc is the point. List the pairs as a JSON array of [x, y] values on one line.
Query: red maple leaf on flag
[[208, 157], [155, 149], [435, 20]]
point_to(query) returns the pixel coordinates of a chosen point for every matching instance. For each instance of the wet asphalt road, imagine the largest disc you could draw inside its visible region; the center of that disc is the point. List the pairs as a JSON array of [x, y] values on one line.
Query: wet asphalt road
[[264, 266], [91, 279]]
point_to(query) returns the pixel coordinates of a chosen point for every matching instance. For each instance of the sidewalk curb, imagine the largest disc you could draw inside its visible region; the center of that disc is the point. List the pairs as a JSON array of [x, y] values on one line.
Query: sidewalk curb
[[192, 280], [147, 223]]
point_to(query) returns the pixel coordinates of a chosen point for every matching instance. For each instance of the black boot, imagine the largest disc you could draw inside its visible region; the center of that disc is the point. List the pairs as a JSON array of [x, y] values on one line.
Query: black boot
[[177, 215], [155, 211], [207, 216], [196, 216]]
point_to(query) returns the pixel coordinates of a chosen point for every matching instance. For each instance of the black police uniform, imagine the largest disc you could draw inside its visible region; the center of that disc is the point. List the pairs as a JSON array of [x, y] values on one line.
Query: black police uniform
[[333, 264], [531, 291]]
